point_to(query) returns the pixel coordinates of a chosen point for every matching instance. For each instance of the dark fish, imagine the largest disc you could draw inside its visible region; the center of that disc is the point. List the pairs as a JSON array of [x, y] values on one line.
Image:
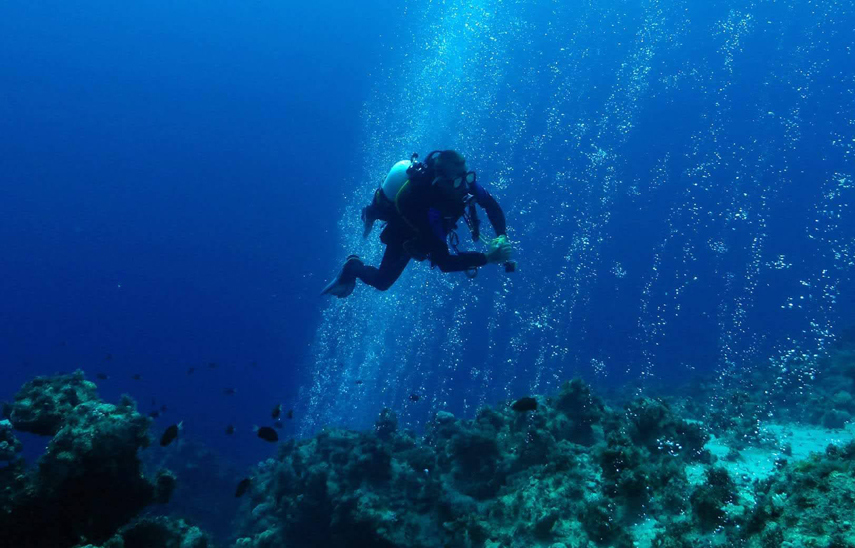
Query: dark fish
[[170, 434], [415, 397], [230, 429], [102, 376], [163, 408], [136, 376], [253, 364], [289, 414], [242, 487], [359, 381], [154, 414], [278, 424], [524, 404], [229, 391], [212, 365], [266, 433], [276, 411], [108, 357], [190, 370], [153, 401]]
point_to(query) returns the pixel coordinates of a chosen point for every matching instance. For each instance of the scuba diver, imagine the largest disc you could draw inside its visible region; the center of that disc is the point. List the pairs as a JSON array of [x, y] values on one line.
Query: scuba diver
[[421, 204]]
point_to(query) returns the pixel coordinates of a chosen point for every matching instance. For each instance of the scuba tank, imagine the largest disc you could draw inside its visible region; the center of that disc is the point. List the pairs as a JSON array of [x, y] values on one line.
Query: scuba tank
[[396, 178], [406, 170], [401, 174]]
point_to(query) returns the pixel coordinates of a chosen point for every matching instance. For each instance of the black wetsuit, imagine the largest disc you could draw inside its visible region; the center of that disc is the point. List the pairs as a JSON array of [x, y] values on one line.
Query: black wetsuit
[[418, 225]]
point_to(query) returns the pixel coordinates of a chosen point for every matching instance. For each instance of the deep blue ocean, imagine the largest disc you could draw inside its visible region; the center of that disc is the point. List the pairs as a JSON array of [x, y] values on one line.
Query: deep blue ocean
[[173, 177], [179, 180]]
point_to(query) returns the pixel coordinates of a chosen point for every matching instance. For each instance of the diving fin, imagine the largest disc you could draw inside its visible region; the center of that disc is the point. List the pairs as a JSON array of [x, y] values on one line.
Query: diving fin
[[343, 284]]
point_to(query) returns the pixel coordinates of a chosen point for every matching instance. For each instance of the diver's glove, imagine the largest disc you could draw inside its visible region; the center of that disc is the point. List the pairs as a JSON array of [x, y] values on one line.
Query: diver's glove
[[500, 250]]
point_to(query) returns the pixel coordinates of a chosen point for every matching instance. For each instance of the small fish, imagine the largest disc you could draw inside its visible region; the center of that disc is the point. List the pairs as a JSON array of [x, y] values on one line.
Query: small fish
[[154, 414], [276, 411], [153, 401], [230, 429], [289, 414], [102, 376], [278, 424], [524, 404], [267, 434], [212, 365], [242, 487], [415, 397], [108, 357], [136, 376], [170, 434], [190, 370], [163, 408], [254, 364], [359, 381], [229, 391]]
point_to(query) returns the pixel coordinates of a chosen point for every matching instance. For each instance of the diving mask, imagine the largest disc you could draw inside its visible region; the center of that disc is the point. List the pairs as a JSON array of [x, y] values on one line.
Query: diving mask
[[461, 182], [467, 179]]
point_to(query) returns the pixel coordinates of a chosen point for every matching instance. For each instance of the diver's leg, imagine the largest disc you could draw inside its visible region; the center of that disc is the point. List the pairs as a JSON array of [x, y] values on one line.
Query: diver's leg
[[394, 262], [371, 213]]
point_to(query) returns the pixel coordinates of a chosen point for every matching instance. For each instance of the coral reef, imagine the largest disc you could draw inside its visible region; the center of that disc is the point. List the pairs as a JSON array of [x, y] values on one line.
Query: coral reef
[[566, 470], [810, 502], [41, 405], [572, 473], [806, 503], [89, 482], [159, 532], [795, 389], [830, 401], [9, 444], [734, 407], [710, 499]]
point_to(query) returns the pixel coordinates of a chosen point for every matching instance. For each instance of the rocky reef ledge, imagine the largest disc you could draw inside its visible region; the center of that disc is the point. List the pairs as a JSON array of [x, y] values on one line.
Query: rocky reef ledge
[[563, 471], [88, 488], [567, 470]]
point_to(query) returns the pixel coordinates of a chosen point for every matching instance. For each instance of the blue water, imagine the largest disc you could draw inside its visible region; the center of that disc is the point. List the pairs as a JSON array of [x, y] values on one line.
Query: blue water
[[172, 179], [678, 179], [179, 180]]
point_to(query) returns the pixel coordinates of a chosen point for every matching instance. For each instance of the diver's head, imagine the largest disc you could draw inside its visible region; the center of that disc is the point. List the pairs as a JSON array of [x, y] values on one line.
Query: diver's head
[[450, 171], [449, 164]]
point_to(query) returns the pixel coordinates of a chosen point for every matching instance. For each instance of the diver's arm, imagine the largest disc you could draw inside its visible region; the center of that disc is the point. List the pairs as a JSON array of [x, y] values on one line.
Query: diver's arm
[[500, 251], [458, 262], [493, 209], [438, 248]]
